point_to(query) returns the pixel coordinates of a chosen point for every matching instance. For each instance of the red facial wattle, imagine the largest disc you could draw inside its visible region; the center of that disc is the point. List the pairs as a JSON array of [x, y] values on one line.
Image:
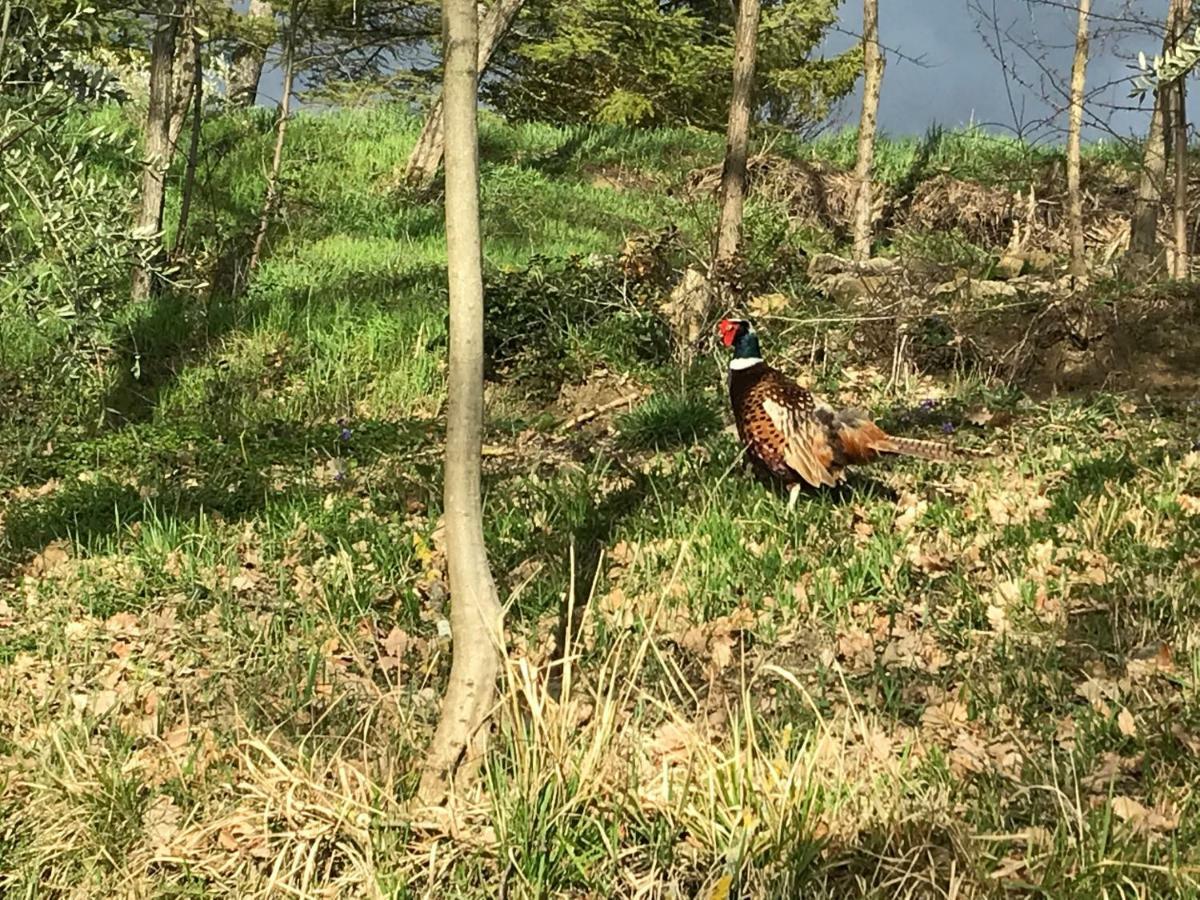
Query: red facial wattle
[[728, 332]]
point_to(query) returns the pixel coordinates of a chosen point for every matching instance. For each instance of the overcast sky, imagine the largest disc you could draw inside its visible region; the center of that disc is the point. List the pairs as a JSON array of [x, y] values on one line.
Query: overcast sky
[[959, 79]]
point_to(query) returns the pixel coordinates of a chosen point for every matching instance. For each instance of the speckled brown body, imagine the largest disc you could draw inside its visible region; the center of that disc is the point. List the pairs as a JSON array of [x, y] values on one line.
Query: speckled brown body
[[793, 436]]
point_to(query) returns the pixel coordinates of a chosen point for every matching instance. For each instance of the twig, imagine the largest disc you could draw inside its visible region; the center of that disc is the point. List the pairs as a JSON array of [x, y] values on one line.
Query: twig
[[599, 410], [843, 320], [490, 450]]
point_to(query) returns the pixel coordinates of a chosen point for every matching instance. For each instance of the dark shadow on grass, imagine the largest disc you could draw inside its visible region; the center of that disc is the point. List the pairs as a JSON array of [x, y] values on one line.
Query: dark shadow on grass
[[590, 540], [918, 172], [182, 475], [857, 488], [551, 163], [494, 149], [1087, 478], [174, 331]]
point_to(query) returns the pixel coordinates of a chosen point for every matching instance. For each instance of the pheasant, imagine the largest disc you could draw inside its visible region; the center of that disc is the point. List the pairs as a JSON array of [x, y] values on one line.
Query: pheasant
[[797, 438]]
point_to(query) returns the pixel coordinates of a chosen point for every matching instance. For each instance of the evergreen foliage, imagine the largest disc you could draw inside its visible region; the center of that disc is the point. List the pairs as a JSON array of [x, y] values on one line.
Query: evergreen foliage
[[642, 62]]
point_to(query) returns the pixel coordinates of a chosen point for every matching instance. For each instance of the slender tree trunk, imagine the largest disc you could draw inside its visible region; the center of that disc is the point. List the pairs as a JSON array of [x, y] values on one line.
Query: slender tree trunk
[[183, 81], [872, 80], [476, 617], [737, 134], [693, 298], [426, 155], [1180, 146], [4, 22], [1179, 165], [1078, 264], [1143, 229], [271, 198], [149, 216], [189, 173], [245, 69], [1148, 199]]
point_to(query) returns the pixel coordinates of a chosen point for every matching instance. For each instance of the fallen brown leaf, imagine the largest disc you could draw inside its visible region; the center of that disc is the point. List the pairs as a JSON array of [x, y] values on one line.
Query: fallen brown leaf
[[673, 742], [122, 623], [1109, 768], [1142, 818], [951, 713], [103, 701], [396, 642], [52, 556], [178, 736], [161, 822]]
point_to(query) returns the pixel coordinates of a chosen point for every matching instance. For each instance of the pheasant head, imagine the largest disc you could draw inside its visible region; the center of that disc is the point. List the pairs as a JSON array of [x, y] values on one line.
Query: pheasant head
[[739, 334]]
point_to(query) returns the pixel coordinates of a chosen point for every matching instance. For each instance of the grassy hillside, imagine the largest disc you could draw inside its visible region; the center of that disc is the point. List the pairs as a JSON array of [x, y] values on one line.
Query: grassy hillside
[[223, 579]]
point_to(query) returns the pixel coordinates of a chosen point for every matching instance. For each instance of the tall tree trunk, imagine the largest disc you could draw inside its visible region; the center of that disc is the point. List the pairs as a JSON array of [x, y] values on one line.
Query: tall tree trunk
[[1078, 264], [271, 198], [426, 155], [246, 66], [737, 134], [476, 617], [1143, 227], [149, 216], [872, 79], [693, 298], [189, 172], [183, 81], [1181, 267]]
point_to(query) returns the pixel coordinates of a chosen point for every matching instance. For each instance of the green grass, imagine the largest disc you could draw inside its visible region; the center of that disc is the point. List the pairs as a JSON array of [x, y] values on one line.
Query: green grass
[[970, 153], [223, 577], [279, 611]]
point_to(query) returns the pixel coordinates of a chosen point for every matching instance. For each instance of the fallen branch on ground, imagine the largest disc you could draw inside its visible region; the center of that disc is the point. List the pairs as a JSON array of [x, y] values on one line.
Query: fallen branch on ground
[[600, 410]]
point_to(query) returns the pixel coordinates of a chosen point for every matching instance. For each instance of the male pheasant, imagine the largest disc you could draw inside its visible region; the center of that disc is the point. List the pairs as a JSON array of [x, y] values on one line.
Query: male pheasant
[[797, 438]]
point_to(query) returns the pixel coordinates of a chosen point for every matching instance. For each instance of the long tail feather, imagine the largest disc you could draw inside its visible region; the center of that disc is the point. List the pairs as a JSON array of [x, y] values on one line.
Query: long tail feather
[[934, 450], [861, 441]]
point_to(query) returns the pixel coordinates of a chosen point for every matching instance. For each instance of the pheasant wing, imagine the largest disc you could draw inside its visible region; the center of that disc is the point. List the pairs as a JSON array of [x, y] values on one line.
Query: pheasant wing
[[805, 442]]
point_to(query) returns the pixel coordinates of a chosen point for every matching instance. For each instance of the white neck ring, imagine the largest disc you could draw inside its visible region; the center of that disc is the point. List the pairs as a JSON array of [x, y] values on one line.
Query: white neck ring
[[744, 362]]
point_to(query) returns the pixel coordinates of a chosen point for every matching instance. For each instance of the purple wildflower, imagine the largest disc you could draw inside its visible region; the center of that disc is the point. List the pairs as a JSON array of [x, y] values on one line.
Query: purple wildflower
[[345, 433], [947, 428], [928, 403]]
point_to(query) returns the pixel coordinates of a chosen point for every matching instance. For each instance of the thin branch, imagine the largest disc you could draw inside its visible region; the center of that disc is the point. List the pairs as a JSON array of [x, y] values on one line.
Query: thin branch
[[600, 410], [888, 49]]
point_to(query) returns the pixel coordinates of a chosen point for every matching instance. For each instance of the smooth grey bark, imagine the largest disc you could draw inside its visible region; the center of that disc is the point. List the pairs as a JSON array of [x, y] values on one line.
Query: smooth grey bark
[[1143, 228], [1151, 186], [476, 617]]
